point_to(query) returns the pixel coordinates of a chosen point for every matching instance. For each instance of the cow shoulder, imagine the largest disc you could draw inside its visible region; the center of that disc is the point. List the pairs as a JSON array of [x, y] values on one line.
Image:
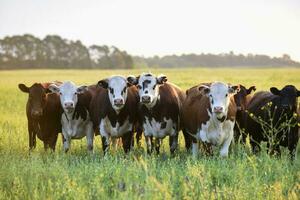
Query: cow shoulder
[[195, 109], [232, 109]]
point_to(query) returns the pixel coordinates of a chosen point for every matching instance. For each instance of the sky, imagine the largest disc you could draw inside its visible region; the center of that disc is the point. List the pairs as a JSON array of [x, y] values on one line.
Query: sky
[[162, 27]]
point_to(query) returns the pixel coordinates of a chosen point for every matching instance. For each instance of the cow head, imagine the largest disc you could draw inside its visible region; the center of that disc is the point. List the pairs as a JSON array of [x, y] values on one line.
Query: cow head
[[148, 86], [117, 90], [37, 98], [288, 96], [68, 93], [240, 96], [219, 95]]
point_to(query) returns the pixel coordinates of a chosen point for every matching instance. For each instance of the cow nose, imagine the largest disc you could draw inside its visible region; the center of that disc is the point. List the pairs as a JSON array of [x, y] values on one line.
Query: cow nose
[[118, 102], [218, 109], [36, 113], [146, 99], [69, 104]]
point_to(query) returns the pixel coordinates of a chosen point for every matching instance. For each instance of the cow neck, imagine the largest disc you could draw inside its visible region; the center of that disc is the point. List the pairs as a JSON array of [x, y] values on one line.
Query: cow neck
[[69, 116], [153, 105]]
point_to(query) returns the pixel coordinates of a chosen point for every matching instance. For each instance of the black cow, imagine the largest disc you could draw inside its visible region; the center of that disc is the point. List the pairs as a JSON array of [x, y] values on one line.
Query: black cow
[[282, 106]]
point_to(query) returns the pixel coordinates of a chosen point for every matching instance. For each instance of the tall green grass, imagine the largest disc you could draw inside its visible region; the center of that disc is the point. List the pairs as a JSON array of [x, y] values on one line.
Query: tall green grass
[[78, 175]]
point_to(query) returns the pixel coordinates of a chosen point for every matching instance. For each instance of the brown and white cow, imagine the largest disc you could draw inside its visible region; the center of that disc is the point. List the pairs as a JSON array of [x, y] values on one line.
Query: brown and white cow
[[159, 113], [209, 115], [75, 119], [43, 112], [114, 111]]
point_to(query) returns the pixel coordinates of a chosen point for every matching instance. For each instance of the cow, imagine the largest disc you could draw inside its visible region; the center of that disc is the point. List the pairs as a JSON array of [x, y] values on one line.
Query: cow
[[159, 110], [43, 113], [208, 115], [242, 99], [75, 119], [114, 111], [275, 107]]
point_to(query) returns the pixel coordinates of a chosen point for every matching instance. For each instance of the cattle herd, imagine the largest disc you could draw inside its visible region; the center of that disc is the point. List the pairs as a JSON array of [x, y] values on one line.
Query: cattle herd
[[210, 115]]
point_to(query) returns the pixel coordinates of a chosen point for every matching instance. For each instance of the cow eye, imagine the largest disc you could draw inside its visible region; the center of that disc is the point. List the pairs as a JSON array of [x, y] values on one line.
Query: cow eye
[[111, 90], [154, 87], [210, 95], [76, 93], [226, 95], [60, 93]]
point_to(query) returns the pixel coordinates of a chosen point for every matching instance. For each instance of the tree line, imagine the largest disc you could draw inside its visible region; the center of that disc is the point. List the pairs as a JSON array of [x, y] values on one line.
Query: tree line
[[216, 60], [27, 51]]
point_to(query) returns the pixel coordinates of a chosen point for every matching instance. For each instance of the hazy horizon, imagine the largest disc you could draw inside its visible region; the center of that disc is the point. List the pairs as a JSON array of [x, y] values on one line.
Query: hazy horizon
[[148, 28]]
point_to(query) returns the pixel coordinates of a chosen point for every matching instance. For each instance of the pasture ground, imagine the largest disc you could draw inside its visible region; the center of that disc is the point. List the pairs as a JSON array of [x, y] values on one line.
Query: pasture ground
[[77, 175]]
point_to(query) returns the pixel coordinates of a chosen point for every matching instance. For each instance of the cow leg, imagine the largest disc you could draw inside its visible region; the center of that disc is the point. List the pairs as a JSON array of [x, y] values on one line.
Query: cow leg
[[187, 139], [149, 143], [67, 143], [30, 134], [105, 143], [225, 147], [46, 145], [293, 138], [127, 141], [52, 141], [157, 145], [195, 149], [173, 143], [90, 138]]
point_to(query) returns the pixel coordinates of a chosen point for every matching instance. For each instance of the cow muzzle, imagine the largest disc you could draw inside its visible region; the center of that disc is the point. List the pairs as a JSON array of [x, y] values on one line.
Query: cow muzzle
[[69, 106], [119, 102], [146, 99], [218, 109], [36, 113]]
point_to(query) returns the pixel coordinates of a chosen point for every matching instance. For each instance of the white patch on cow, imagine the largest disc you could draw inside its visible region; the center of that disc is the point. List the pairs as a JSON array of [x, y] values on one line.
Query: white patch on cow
[[68, 93], [153, 128], [148, 87], [195, 149], [217, 133], [76, 129], [107, 130], [219, 97], [117, 90]]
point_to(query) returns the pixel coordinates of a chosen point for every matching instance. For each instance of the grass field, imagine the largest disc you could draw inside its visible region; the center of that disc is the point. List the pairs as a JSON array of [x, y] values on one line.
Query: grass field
[[76, 175]]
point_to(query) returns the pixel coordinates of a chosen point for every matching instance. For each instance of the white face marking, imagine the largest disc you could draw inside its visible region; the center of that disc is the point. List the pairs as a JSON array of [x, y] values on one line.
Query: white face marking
[[117, 92], [107, 130], [153, 128], [68, 92], [219, 97], [148, 89]]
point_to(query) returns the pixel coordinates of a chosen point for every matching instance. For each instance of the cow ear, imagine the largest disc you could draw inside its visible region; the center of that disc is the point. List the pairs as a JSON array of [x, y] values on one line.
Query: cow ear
[[53, 88], [132, 80], [161, 79], [204, 89], [81, 89], [103, 83], [252, 88], [234, 89], [275, 91], [298, 93], [23, 88]]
